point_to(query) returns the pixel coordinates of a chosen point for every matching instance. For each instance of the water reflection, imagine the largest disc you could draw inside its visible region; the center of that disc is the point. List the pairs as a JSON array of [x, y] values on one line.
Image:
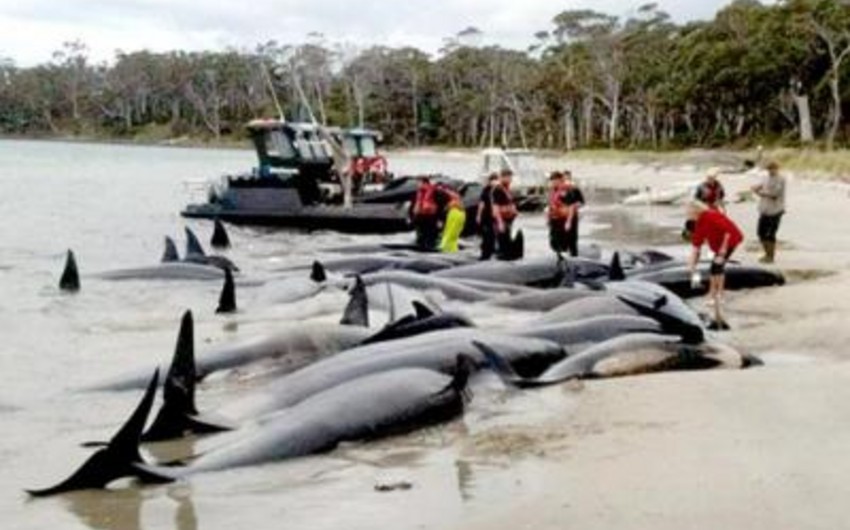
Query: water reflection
[[121, 509], [107, 510], [465, 479]]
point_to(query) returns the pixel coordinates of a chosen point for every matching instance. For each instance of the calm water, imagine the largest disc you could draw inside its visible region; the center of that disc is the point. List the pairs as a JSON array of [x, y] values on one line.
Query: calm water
[[113, 205]]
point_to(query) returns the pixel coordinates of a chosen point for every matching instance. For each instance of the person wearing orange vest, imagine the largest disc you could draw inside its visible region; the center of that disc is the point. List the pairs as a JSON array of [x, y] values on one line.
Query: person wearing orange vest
[[451, 203], [559, 213], [504, 213], [425, 218]]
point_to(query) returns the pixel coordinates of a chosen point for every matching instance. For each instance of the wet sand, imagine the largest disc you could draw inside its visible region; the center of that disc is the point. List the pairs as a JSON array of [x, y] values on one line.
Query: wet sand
[[763, 448]]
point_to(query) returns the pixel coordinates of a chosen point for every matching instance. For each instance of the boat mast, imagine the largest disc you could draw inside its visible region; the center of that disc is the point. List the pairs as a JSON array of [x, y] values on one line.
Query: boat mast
[[340, 158]]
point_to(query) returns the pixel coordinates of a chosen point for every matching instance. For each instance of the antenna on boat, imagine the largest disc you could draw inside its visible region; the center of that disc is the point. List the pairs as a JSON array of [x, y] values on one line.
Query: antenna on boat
[[303, 97], [273, 93], [341, 159]]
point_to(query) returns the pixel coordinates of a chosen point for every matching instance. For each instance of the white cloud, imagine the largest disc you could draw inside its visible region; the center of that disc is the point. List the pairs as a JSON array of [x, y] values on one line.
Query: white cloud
[[33, 29]]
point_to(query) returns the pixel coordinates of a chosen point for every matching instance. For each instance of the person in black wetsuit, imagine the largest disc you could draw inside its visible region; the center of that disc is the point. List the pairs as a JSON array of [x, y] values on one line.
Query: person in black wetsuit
[[484, 218]]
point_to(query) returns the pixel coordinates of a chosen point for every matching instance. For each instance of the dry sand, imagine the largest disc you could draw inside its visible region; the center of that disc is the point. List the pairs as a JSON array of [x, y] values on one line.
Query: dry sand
[[763, 448]]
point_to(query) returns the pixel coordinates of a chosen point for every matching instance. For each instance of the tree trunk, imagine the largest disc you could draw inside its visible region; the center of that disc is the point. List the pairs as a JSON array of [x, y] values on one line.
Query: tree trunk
[[835, 110], [569, 128], [805, 116], [415, 111]]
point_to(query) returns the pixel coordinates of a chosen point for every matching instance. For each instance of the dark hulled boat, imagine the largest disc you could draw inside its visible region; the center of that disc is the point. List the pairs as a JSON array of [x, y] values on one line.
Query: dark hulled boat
[[295, 185]]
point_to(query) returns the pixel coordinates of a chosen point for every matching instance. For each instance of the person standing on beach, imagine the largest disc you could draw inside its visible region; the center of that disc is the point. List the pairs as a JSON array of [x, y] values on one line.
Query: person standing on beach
[[504, 213], [574, 199], [425, 215], [450, 202], [771, 193], [484, 218], [722, 236], [710, 192], [559, 214]]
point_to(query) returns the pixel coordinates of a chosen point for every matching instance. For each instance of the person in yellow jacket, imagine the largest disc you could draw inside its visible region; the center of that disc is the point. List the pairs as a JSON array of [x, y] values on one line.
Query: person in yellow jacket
[[455, 219]]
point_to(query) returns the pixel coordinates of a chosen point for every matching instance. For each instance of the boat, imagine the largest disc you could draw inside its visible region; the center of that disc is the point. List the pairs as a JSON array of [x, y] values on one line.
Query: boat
[[296, 183], [528, 185], [668, 195]]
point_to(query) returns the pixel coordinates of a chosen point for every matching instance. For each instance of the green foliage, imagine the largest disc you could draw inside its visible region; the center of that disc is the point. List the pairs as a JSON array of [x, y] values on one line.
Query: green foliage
[[590, 80]]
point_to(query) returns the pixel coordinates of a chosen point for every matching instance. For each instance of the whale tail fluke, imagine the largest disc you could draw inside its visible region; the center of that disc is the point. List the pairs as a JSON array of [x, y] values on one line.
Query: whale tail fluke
[[193, 244], [117, 459], [227, 299], [70, 280], [178, 414], [170, 253], [318, 274], [357, 311], [615, 270], [219, 239]]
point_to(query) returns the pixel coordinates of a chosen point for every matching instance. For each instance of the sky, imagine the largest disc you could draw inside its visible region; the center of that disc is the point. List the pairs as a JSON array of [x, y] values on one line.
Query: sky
[[31, 30]]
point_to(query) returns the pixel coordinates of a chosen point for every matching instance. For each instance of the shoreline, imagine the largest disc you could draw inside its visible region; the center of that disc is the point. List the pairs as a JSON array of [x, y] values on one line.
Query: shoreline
[[809, 163]]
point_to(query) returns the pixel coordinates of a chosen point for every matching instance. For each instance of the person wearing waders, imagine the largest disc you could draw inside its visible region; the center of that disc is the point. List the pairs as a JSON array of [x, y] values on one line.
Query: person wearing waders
[[714, 228], [450, 202], [504, 213], [771, 194], [425, 215], [484, 218]]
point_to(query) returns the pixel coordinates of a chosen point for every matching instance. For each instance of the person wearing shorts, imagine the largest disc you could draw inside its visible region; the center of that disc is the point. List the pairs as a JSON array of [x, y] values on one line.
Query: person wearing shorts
[[722, 236]]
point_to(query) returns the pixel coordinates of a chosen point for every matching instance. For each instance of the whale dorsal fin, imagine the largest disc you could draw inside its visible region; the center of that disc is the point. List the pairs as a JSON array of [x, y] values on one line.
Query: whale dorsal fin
[[178, 414], [422, 310], [117, 459], [70, 280], [318, 273], [357, 311], [615, 270], [518, 246], [219, 239], [227, 299], [193, 245], [169, 254]]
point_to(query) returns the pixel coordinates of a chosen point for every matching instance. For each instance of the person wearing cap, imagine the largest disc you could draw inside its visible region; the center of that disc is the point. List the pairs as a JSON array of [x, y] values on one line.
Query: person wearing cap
[[710, 192], [504, 213], [771, 207], [484, 218], [722, 235]]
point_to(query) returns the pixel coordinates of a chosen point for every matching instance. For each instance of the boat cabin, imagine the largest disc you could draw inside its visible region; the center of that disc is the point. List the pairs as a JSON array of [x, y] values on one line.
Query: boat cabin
[[529, 179]]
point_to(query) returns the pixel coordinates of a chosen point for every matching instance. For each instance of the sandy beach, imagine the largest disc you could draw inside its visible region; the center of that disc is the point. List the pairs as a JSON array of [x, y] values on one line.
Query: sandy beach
[[762, 448]]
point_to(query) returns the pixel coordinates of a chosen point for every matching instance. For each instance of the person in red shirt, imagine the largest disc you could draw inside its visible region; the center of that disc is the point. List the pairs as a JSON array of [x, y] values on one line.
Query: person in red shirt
[[712, 227]]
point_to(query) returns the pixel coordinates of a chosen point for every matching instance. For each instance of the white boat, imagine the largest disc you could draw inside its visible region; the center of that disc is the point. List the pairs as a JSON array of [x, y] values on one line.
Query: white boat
[[529, 181], [661, 196]]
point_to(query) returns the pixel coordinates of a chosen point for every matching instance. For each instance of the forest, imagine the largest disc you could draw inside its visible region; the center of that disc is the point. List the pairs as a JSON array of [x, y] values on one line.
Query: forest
[[776, 74]]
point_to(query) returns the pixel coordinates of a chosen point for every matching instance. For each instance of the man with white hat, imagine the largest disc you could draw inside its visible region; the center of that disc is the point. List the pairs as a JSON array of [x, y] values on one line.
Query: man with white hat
[[710, 192]]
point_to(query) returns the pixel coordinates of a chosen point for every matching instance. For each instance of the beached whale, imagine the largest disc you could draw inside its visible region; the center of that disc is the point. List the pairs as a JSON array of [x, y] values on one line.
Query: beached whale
[[543, 271], [386, 403], [677, 277], [625, 355], [435, 351]]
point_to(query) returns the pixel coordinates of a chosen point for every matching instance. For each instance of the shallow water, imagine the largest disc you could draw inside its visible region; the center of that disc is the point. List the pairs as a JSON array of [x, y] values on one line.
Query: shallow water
[[112, 204]]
